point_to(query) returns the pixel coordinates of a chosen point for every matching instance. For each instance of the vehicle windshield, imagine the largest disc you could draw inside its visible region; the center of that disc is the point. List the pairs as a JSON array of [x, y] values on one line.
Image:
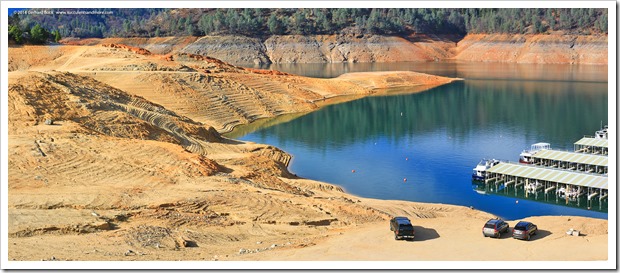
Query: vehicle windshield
[[405, 227]]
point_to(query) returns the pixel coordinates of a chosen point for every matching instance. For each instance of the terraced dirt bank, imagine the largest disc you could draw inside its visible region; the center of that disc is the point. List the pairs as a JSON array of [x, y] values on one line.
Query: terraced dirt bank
[[555, 48], [115, 153]]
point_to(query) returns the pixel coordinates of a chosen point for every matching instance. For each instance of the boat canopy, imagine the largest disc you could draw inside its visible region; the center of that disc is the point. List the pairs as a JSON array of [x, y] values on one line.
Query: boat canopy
[[540, 146]]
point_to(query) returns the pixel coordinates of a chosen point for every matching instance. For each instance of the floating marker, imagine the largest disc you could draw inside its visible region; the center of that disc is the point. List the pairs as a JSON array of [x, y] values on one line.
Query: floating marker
[[404, 179], [352, 171], [517, 202]]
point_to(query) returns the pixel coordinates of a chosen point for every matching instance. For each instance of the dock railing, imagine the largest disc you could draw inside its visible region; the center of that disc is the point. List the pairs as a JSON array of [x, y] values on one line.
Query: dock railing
[[552, 168]]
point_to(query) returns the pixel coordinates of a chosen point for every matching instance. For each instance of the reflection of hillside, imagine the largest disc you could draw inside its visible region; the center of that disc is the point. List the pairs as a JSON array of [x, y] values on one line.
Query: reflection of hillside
[[549, 198], [533, 72], [466, 70], [561, 112]]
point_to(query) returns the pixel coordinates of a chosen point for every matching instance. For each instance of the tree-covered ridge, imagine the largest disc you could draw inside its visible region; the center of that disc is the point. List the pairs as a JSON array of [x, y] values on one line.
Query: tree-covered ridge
[[263, 22]]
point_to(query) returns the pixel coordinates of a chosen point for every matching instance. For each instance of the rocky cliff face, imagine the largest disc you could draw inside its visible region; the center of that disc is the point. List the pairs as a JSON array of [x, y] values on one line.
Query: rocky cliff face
[[353, 49], [320, 49], [561, 49], [543, 48], [231, 49]]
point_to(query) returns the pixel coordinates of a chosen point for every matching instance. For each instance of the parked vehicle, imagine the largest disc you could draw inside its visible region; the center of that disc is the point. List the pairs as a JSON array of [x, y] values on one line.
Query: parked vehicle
[[524, 230], [494, 228], [402, 228]]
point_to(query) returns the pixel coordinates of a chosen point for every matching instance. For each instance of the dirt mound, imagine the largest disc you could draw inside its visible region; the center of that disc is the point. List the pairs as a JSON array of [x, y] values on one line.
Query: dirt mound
[[134, 49], [99, 108], [267, 72], [205, 63]]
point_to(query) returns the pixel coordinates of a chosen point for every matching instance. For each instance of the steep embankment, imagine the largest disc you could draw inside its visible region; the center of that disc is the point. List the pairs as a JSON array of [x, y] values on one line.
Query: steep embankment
[[103, 147], [542, 48], [297, 48], [203, 88], [131, 168], [558, 49]]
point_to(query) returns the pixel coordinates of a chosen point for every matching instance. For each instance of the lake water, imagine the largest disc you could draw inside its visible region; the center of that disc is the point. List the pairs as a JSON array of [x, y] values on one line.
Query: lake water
[[422, 147]]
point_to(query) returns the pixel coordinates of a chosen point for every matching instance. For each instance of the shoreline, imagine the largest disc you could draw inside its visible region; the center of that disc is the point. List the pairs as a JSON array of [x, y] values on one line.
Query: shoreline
[[355, 97], [88, 189]]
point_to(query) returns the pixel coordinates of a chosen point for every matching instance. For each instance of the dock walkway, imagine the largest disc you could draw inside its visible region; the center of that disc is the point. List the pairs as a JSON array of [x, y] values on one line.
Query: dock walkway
[[521, 172], [592, 145], [589, 163]]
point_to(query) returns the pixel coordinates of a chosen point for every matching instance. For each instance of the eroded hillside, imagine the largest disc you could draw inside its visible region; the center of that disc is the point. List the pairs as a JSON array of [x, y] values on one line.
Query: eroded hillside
[[114, 154], [519, 48]]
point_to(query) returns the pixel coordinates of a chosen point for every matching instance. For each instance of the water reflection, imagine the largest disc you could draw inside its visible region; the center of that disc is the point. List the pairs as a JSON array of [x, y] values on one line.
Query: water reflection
[[467, 70], [433, 139], [558, 113], [596, 204]]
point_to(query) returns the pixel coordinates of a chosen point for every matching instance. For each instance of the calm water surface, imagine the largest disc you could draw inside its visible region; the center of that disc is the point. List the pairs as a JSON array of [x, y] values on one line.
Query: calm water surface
[[422, 147]]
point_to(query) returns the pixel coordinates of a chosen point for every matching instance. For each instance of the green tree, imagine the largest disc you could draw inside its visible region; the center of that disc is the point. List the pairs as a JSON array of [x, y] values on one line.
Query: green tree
[[299, 22], [551, 19], [602, 23], [274, 24], [38, 35], [56, 35], [16, 34], [537, 24]]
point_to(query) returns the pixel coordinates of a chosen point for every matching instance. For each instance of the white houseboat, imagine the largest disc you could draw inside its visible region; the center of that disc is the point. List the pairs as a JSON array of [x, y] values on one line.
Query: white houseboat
[[526, 155]]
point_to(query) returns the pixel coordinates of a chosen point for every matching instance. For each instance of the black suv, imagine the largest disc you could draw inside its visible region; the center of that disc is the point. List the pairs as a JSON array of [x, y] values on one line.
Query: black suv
[[402, 228]]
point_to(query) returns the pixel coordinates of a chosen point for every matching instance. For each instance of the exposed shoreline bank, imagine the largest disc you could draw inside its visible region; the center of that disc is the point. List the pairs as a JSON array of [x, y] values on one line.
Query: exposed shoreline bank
[[554, 48], [133, 169]]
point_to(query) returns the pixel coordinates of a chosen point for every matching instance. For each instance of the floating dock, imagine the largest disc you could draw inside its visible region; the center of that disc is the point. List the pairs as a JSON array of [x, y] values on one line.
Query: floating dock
[[505, 172], [565, 184], [588, 163], [592, 145]]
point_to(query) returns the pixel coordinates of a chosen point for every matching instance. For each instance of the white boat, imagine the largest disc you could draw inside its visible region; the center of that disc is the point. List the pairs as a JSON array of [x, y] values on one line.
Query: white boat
[[601, 134], [480, 171], [526, 155], [533, 187], [561, 192]]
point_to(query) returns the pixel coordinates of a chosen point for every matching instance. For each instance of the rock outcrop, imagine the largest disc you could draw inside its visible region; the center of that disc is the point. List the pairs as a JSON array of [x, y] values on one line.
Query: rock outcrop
[[519, 48], [542, 49]]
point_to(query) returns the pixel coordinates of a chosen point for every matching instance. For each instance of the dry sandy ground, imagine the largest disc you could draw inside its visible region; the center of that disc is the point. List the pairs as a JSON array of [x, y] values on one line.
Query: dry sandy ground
[[134, 169]]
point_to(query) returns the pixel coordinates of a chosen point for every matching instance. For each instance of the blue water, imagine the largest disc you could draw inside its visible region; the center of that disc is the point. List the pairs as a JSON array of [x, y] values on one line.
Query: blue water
[[422, 147]]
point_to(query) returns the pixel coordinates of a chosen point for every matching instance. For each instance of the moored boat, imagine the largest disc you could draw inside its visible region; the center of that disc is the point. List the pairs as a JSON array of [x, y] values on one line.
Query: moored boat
[[601, 134], [480, 171], [526, 156]]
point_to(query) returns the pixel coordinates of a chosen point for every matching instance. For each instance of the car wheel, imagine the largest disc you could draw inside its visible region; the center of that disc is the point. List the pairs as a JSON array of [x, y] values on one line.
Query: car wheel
[[528, 237], [396, 237]]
